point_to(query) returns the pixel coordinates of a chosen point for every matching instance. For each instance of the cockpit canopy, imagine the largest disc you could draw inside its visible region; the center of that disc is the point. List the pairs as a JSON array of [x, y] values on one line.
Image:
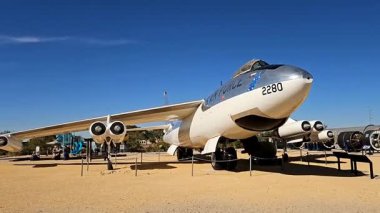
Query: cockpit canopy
[[251, 65]]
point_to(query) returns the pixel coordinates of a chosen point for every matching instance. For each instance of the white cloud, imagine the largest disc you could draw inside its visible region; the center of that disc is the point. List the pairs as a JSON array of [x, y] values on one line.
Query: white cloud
[[29, 39], [111, 42], [5, 39]]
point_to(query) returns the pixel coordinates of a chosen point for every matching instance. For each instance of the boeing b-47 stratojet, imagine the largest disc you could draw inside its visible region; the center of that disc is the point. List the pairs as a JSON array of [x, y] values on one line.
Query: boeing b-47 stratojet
[[259, 97]]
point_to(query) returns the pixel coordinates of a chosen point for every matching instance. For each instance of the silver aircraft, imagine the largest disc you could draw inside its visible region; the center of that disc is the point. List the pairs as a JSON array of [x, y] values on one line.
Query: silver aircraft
[[259, 97]]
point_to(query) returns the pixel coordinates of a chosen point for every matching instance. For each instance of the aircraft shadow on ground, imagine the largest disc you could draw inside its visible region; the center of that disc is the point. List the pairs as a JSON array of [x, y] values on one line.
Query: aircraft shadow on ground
[[152, 166], [297, 169], [45, 165], [242, 166]]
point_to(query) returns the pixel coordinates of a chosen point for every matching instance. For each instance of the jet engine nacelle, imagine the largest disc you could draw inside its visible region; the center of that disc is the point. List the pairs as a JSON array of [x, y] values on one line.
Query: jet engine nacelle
[[317, 126], [321, 136], [116, 130], [10, 144], [98, 132], [325, 135], [294, 129]]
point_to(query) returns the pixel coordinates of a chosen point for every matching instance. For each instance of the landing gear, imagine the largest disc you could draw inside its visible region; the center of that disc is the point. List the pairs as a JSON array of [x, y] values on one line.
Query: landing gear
[[215, 157], [285, 156], [184, 153], [108, 148], [253, 147], [229, 155]]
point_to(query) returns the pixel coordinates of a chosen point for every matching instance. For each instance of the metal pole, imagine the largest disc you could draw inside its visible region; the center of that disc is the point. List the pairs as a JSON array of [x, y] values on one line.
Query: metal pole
[[339, 164], [87, 151], [307, 158], [192, 165], [371, 170], [301, 154], [282, 163], [90, 145], [325, 158], [88, 164], [81, 170], [159, 153], [250, 165], [115, 159], [141, 158], [136, 167]]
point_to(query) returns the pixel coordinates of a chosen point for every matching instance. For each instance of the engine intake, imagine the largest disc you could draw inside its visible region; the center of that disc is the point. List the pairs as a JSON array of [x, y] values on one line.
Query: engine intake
[[117, 128], [317, 126], [10, 144], [117, 131], [372, 138], [98, 128], [98, 132], [3, 141], [350, 141]]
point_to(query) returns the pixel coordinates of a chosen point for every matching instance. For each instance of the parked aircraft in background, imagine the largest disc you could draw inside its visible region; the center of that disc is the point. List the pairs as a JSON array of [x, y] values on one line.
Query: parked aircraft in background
[[260, 97]]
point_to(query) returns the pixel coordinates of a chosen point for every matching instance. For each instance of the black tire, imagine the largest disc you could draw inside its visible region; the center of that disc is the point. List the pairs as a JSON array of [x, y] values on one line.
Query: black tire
[[180, 153], [217, 156], [184, 153], [189, 152], [285, 157], [230, 154]]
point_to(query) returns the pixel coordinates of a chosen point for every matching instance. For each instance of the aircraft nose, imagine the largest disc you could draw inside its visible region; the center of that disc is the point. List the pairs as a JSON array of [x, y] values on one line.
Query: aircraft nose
[[295, 86], [288, 72], [283, 73]]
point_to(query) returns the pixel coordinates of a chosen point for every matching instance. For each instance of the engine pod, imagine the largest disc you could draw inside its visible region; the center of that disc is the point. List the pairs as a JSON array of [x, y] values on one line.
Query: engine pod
[[10, 144], [116, 131], [317, 126], [98, 131], [294, 129]]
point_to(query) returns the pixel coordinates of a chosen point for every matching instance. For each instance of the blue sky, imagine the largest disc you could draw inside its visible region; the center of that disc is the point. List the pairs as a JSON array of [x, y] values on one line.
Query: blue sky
[[67, 60]]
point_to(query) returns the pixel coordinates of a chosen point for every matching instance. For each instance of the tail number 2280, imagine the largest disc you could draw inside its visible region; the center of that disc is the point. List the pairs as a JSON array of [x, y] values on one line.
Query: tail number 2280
[[273, 88]]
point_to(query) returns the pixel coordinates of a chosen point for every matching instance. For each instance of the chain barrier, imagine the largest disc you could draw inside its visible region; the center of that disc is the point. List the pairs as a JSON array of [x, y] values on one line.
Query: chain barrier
[[134, 156]]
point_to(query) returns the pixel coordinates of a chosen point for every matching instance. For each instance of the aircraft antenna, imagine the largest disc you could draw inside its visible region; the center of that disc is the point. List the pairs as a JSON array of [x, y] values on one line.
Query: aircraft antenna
[[166, 98]]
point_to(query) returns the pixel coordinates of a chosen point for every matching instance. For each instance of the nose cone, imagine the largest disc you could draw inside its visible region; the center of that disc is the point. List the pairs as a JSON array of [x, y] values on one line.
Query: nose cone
[[288, 72], [295, 86]]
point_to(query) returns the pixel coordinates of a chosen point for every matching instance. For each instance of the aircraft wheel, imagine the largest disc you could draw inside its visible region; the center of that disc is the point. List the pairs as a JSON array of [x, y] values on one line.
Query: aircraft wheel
[[180, 153], [189, 152], [285, 157], [230, 154], [217, 156], [184, 153]]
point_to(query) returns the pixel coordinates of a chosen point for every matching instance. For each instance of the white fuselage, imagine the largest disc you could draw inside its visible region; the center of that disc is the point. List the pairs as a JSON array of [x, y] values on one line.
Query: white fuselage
[[219, 120]]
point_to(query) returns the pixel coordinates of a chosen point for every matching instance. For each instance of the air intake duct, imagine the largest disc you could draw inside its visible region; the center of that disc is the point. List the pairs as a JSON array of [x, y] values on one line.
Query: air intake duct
[[350, 141], [10, 144], [98, 131]]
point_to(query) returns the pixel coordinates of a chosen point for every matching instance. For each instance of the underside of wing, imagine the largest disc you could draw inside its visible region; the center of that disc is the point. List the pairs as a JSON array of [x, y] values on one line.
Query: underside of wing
[[149, 128], [157, 114]]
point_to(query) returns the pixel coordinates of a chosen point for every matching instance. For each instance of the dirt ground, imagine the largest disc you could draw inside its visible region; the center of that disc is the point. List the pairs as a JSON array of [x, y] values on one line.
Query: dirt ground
[[168, 186]]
